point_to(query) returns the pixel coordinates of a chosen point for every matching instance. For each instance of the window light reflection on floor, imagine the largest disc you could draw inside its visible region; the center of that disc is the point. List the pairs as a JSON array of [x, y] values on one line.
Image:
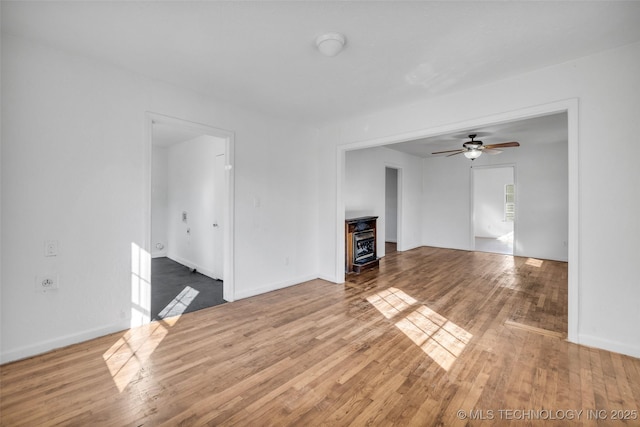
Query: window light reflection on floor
[[441, 339], [179, 303], [127, 356], [391, 301], [534, 262]]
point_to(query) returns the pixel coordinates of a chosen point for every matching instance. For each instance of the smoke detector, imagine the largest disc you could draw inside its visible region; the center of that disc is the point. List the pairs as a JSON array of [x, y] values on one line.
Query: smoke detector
[[330, 44]]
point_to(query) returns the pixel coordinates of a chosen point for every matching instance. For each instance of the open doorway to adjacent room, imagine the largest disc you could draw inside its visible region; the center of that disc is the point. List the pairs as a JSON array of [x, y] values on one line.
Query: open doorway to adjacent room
[[391, 210], [494, 206], [189, 215], [534, 213]]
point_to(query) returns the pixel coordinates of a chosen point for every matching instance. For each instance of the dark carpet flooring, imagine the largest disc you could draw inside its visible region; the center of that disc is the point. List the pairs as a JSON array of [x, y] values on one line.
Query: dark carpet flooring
[[175, 289]]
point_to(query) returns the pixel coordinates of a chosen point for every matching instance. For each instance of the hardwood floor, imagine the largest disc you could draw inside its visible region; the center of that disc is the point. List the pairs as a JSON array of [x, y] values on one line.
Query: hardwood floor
[[412, 343]]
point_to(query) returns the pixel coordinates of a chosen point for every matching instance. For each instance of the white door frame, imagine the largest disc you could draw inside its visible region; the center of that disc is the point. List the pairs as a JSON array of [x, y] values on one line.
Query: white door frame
[[228, 289], [399, 239], [570, 106], [472, 202], [218, 225]]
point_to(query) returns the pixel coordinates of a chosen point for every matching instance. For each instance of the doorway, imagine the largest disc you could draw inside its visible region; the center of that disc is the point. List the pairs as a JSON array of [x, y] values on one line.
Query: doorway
[[569, 108], [494, 207], [190, 216], [391, 210]]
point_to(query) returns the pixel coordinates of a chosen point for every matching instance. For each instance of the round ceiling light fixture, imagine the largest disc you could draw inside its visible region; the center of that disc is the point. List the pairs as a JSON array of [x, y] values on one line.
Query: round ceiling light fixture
[[330, 44]]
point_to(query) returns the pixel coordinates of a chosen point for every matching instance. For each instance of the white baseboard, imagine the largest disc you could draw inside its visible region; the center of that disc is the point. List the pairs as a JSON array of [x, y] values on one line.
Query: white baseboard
[[159, 254], [605, 344], [193, 265], [409, 247], [331, 279], [272, 287], [55, 343]]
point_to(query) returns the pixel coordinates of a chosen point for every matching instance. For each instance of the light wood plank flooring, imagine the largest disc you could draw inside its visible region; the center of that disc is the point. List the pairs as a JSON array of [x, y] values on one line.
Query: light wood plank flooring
[[412, 343]]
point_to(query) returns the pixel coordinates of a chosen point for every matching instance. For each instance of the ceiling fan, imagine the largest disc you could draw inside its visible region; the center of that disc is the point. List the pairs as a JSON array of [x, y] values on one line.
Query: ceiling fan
[[473, 149]]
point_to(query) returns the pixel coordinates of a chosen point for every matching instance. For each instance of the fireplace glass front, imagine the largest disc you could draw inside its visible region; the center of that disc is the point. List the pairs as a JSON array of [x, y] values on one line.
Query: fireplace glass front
[[364, 246]]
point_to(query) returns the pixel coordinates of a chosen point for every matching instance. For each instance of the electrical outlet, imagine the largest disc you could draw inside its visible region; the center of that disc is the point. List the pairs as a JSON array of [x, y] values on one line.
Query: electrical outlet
[[51, 248], [46, 282]]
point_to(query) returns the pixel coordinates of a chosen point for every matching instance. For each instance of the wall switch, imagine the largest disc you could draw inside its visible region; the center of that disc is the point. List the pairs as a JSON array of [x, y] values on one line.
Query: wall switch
[[51, 248], [46, 282]]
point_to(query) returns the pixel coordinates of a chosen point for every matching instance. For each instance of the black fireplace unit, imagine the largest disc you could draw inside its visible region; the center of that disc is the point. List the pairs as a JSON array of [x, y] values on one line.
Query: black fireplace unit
[[360, 242], [364, 246]]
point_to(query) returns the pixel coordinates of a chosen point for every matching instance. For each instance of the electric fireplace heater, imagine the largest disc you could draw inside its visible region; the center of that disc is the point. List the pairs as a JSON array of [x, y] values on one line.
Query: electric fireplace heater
[[360, 244], [363, 247]]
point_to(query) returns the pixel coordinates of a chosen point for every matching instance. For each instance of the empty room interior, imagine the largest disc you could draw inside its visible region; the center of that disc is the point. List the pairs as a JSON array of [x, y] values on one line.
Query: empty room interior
[[324, 213]]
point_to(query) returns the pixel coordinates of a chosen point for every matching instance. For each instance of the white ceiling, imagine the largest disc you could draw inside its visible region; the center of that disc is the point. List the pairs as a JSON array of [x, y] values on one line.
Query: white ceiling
[[539, 130], [261, 55]]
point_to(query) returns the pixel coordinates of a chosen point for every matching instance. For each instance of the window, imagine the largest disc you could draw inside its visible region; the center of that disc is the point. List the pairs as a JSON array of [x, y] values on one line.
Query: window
[[509, 202]]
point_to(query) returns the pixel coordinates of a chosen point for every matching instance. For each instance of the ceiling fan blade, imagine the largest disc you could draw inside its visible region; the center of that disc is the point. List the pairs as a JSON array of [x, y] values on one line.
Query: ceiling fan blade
[[449, 151], [491, 151], [459, 152], [503, 145]]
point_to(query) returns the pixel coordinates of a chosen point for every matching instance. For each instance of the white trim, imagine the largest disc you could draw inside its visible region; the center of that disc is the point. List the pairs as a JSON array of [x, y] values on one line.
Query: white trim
[[570, 106], [615, 346], [340, 215], [326, 278], [63, 341], [573, 327], [228, 236], [193, 265], [399, 208], [400, 244], [275, 286]]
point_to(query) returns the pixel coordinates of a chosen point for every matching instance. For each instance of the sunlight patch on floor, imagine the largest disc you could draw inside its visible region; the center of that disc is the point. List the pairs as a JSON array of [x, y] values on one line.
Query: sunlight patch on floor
[[391, 301], [506, 238], [127, 356], [534, 262], [441, 339], [179, 303]]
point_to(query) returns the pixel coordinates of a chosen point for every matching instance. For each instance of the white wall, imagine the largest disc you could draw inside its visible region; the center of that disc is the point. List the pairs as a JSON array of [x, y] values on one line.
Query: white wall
[[76, 168], [159, 201], [365, 174], [191, 177], [542, 199], [73, 142], [607, 290]]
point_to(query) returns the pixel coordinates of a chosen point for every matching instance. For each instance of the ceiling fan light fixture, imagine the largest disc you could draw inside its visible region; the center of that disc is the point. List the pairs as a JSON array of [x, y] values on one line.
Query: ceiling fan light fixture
[[473, 154], [473, 149], [330, 44]]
